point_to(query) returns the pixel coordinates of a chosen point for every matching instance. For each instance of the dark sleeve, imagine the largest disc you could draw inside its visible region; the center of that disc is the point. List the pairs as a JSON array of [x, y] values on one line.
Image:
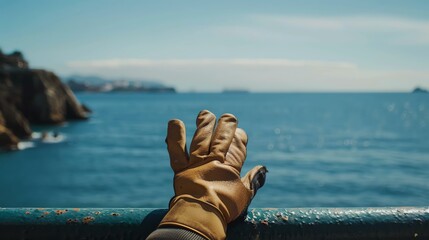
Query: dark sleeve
[[174, 234]]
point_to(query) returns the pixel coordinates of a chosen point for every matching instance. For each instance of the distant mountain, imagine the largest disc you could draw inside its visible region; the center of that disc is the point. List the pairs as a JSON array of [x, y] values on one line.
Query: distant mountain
[[97, 80]]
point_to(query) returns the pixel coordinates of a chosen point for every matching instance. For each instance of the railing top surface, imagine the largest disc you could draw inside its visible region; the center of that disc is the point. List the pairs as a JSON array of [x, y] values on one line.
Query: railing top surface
[[260, 223], [274, 215]]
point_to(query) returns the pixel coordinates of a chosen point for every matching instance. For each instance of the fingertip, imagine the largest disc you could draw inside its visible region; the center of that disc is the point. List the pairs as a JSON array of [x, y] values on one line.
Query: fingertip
[[175, 122], [258, 180], [176, 144], [176, 128], [176, 131], [205, 111], [228, 117], [242, 135], [255, 178], [205, 116], [200, 144]]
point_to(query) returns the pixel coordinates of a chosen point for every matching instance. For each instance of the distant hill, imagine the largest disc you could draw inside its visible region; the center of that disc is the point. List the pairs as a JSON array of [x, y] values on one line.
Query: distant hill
[[97, 80], [100, 84], [420, 90]]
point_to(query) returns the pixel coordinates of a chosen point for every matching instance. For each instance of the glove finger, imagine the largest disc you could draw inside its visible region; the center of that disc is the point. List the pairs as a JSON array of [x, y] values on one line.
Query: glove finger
[[201, 142], [237, 151], [222, 137], [255, 179], [176, 145]]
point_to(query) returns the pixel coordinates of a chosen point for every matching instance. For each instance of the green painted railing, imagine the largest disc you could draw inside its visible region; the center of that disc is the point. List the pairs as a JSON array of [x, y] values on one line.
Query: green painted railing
[[268, 223]]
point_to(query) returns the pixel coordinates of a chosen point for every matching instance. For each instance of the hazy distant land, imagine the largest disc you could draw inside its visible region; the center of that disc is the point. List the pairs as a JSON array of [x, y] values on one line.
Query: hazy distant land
[[79, 83]]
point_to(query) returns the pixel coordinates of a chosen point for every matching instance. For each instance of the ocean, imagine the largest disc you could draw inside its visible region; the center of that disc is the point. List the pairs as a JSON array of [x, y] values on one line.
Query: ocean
[[321, 150]]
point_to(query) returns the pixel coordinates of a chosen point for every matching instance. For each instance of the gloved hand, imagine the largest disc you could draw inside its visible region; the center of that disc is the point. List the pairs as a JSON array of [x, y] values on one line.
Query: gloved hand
[[209, 192]]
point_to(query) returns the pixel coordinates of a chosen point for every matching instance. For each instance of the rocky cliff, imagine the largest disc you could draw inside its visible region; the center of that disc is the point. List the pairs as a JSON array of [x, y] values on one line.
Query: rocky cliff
[[31, 96]]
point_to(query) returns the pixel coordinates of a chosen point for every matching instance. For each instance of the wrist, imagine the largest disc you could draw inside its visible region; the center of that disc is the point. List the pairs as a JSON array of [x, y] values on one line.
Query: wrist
[[195, 215], [174, 234]]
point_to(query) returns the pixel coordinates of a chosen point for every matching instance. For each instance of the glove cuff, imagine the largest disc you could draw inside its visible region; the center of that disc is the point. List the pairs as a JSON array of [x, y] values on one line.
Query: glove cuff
[[195, 215], [174, 233]]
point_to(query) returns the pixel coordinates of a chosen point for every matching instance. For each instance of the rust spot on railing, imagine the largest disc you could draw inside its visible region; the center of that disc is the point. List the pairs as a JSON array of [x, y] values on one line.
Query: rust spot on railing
[[88, 219]]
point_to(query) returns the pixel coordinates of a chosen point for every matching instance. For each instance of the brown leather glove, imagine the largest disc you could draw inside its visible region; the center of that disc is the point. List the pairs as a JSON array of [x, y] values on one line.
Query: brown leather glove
[[209, 192]]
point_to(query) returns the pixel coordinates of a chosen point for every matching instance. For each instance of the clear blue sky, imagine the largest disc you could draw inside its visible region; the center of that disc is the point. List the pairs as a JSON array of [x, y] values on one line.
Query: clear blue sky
[[208, 46]]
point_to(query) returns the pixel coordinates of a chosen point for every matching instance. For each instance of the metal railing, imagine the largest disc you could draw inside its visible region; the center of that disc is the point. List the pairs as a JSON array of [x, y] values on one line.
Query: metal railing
[[265, 223]]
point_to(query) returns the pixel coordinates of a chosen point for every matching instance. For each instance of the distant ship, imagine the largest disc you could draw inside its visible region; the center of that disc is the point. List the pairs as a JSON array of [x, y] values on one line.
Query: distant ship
[[235, 91]]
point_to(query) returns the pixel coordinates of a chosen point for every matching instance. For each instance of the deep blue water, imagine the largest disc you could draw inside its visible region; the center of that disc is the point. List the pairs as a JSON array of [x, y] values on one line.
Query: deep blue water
[[331, 150]]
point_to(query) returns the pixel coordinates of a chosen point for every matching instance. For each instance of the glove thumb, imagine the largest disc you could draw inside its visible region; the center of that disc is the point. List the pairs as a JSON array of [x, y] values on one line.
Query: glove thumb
[[255, 179]]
